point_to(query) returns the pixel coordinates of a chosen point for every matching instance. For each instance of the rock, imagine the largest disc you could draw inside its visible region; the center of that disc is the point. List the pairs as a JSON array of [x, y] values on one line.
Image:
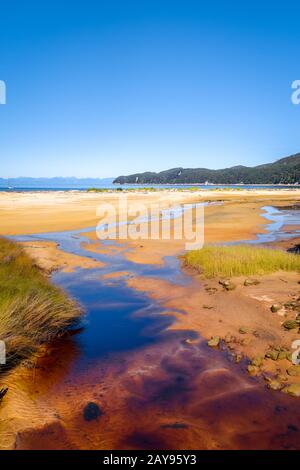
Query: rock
[[238, 358], [292, 305], [272, 354], [91, 411], [244, 330], [293, 390], [282, 355], [227, 284], [253, 370], [230, 339], [276, 307], [294, 371], [251, 282], [208, 307], [275, 385], [230, 286], [290, 324], [189, 341], [282, 378], [246, 341], [258, 361], [214, 341]]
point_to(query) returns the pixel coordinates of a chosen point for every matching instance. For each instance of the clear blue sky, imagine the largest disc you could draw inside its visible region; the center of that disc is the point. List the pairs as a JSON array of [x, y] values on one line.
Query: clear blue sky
[[102, 88]]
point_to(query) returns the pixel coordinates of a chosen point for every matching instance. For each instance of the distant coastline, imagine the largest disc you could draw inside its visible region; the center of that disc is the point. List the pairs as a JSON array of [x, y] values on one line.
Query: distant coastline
[[113, 187], [285, 171]]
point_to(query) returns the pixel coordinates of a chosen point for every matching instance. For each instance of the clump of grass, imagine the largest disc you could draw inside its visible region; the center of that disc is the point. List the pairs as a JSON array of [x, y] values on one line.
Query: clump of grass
[[98, 190], [32, 310], [240, 260]]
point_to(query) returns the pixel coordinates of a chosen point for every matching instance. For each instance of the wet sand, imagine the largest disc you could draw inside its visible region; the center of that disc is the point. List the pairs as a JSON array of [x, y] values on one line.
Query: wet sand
[[50, 258], [49, 211], [242, 318]]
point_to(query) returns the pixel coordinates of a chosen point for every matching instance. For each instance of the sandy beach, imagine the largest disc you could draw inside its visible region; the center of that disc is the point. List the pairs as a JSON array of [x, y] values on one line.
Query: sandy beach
[[48, 211]]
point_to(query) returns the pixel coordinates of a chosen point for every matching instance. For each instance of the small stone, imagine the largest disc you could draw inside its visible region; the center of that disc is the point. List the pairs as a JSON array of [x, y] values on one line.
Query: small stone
[[230, 286], [292, 305], [91, 411], [253, 370], [246, 341], [275, 385], [290, 324], [276, 307], [238, 358], [230, 338], [294, 371], [293, 390], [282, 355], [282, 378], [251, 282], [267, 377], [244, 330], [272, 354], [214, 342], [189, 341], [208, 307], [227, 284], [258, 361]]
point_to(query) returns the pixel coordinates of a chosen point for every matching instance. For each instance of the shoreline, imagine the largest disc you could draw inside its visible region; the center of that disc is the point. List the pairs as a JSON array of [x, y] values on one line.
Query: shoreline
[[158, 187]]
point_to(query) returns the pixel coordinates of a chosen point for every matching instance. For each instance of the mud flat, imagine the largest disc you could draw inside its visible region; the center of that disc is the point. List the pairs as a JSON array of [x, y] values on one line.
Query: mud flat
[[49, 211]]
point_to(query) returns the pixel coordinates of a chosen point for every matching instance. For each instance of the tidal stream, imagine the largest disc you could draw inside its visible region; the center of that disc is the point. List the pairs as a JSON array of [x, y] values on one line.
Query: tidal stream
[[154, 389]]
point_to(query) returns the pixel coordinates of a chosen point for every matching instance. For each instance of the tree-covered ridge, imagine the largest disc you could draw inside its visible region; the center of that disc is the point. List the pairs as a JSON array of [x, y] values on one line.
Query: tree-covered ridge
[[283, 171]]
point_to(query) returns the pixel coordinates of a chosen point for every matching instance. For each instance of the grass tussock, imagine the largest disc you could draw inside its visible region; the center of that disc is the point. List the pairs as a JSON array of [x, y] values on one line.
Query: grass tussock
[[240, 260], [32, 310]]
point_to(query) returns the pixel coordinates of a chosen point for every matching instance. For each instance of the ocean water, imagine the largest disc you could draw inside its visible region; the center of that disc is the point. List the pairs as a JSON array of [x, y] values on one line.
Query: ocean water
[[137, 186]]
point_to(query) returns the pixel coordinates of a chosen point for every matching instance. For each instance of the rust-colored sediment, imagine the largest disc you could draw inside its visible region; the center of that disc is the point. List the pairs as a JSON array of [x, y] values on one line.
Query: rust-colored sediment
[[166, 396]]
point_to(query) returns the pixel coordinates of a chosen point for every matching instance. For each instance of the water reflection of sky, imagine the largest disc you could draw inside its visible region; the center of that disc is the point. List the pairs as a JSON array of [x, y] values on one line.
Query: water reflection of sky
[[279, 218]]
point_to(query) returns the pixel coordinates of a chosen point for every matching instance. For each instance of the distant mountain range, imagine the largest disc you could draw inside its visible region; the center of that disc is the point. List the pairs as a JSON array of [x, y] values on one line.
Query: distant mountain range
[[58, 182], [283, 171]]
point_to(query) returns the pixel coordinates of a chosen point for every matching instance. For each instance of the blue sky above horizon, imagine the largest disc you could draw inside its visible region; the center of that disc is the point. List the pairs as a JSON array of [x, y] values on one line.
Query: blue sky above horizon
[[103, 88]]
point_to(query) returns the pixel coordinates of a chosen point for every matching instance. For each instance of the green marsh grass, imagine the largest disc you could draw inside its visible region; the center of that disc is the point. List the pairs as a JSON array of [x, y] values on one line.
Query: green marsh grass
[[240, 260], [32, 310]]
